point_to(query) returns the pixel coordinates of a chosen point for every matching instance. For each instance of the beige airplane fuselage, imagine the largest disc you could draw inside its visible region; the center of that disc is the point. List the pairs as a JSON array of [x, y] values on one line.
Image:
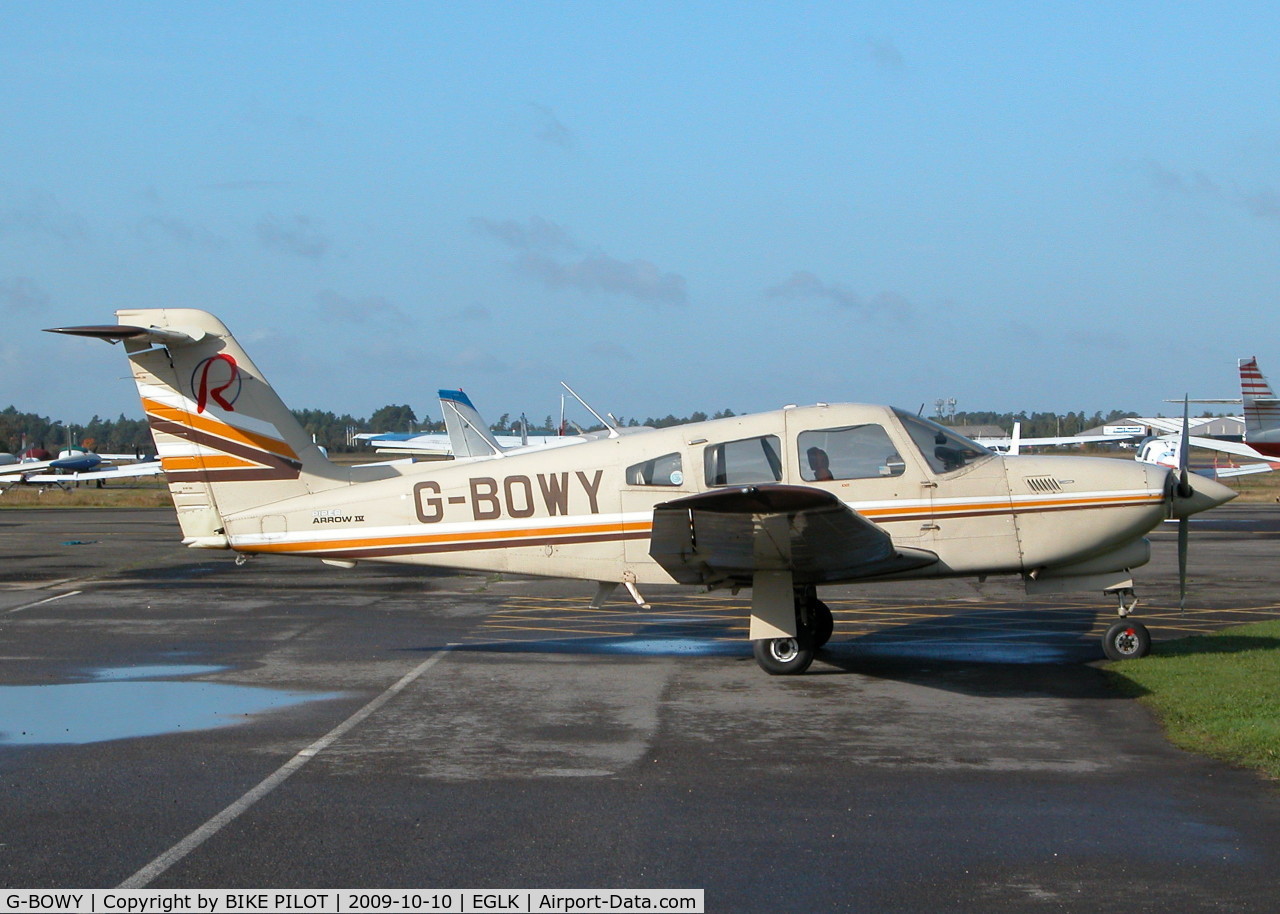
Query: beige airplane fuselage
[[572, 512], [781, 502]]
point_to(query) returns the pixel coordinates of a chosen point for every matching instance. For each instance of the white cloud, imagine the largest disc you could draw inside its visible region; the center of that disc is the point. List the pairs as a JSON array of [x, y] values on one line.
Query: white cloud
[[549, 129], [299, 236], [22, 294], [545, 248], [373, 309], [803, 285]]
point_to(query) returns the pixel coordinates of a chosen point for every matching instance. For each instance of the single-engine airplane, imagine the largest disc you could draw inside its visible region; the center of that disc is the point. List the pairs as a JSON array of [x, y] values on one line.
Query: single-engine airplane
[[466, 435], [1261, 417], [1165, 452], [782, 502], [73, 464]]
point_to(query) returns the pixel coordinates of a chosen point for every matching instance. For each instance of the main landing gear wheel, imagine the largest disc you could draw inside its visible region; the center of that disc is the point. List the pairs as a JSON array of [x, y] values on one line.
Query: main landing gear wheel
[[1126, 640], [823, 623], [783, 656]]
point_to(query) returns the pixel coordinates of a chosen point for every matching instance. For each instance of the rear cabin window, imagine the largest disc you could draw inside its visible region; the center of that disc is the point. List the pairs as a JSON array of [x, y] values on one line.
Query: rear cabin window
[[666, 470], [738, 463], [850, 452]]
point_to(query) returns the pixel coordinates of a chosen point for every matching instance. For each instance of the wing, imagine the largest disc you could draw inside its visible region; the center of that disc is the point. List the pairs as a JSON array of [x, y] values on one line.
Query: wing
[[425, 445], [22, 469], [1246, 469], [1238, 448], [1045, 442], [129, 470], [725, 536]]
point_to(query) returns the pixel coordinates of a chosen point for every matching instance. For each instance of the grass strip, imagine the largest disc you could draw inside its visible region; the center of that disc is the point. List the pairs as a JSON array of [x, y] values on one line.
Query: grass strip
[[86, 496], [1218, 694]]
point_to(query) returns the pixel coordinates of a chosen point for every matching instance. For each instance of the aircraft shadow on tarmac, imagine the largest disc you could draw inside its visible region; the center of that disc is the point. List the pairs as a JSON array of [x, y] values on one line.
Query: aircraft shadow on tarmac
[[294, 576], [992, 652], [929, 654]]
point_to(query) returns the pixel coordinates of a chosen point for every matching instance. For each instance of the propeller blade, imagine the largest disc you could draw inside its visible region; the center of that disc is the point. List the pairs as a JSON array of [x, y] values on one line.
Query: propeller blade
[[1185, 491], [1184, 460]]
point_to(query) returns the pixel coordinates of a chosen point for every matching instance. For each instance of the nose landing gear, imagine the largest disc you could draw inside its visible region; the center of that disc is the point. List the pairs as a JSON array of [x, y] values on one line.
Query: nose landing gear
[[1126, 639]]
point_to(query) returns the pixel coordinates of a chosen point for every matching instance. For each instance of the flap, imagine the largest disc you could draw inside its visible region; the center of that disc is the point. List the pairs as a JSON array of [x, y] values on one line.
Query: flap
[[725, 536]]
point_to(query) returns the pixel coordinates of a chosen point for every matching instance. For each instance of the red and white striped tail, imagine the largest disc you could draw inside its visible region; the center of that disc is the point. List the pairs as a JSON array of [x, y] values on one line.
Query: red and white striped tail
[[1261, 409]]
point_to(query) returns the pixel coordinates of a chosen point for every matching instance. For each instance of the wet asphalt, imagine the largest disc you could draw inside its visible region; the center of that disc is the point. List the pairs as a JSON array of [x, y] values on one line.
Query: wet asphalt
[[957, 748]]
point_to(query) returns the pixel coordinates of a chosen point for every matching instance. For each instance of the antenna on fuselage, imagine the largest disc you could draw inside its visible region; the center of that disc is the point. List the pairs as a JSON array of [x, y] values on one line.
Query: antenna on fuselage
[[611, 426]]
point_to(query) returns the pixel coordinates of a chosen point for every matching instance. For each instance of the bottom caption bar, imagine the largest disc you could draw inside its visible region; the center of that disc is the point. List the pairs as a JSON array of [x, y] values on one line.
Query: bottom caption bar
[[337, 901]]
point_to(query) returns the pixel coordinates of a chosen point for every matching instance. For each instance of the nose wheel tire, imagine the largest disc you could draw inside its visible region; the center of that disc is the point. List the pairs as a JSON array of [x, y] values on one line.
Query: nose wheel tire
[[1126, 640], [783, 656]]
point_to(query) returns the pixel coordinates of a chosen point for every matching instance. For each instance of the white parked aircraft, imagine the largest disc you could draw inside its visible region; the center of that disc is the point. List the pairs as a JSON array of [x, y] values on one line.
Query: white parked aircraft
[[781, 502], [1261, 443], [466, 435], [1165, 452], [73, 464], [1013, 445]]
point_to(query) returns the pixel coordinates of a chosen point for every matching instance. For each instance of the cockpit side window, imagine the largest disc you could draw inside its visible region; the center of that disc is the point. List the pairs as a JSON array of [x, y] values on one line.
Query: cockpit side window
[[666, 470], [942, 449], [749, 460], [850, 452]]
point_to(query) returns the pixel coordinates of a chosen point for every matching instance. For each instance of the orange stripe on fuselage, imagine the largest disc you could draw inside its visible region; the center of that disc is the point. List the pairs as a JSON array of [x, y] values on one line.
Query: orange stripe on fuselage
[[458, 538], [217, 427], [512, 537], [206, 462], [1004, 507]]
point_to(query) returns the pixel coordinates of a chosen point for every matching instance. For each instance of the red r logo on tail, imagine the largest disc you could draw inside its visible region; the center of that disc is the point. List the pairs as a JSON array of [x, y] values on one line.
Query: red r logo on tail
[[202, 389]]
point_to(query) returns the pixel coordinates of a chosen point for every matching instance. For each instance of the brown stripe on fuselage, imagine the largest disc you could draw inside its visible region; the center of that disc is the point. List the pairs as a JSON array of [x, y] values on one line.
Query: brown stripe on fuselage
[[229, 447]]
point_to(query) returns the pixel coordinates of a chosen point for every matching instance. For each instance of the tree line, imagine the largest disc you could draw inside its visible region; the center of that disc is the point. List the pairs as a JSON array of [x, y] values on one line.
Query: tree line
[[334, 432], [19, 431]]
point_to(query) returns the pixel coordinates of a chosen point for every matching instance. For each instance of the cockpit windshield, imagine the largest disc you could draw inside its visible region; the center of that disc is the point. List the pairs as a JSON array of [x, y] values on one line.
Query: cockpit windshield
[[942, 448]]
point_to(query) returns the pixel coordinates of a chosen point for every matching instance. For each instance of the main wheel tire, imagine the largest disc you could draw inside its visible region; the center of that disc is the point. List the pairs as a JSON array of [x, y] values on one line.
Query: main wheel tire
[[823, 623], [783, 656], [1126, 640]]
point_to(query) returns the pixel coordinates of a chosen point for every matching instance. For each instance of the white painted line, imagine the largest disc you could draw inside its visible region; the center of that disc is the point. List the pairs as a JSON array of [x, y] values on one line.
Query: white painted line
[[156, 867], [61, 596]]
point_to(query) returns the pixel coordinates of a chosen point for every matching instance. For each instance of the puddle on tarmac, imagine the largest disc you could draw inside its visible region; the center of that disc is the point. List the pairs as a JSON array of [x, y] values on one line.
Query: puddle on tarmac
[[127, 702], [703, 647], [657, 647]]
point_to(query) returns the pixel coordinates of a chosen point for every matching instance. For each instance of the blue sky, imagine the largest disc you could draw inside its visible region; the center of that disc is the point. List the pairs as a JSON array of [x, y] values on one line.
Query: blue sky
[[1049, 206]]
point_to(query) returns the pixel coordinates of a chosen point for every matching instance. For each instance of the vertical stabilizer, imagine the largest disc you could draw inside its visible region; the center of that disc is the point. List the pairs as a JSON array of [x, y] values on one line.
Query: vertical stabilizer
[[226, 441], [468, 435], [1261, 408]]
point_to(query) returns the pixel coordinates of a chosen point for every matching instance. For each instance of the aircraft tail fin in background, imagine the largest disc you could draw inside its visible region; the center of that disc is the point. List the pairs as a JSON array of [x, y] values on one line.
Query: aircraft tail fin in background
[[468, 434], [1261, 408], [224, 437]]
